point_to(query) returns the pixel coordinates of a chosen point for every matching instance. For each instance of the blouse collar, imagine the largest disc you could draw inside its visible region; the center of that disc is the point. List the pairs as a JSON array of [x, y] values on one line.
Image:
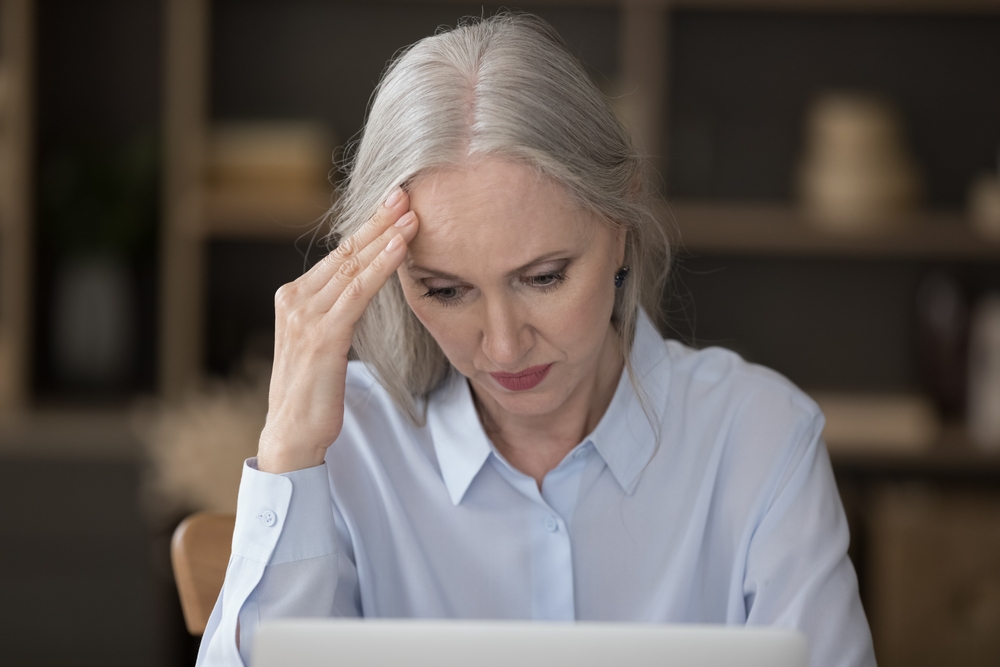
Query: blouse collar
[[624, 437]]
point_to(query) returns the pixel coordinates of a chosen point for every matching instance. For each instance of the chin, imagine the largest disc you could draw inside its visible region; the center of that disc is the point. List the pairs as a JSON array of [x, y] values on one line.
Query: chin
[[540, 400]]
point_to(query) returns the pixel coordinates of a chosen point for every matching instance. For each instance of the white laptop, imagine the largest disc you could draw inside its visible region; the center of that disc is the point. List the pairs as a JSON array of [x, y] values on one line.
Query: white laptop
[[426, 643]]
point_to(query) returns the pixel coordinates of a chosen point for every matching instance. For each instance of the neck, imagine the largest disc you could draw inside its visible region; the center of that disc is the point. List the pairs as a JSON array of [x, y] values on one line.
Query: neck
[[535, 444]]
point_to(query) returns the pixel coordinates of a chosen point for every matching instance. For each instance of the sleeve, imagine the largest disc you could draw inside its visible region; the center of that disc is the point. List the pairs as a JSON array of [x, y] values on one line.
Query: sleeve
[[798, 574], [290, 557]]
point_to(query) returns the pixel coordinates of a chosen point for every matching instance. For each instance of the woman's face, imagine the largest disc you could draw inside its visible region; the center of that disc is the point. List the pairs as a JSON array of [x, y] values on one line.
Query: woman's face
[[510, 276]]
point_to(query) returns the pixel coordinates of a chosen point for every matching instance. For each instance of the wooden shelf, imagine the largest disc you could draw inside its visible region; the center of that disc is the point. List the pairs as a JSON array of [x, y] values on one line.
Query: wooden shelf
[[784, 231], [68, 434], [953, 458], [264, 215]]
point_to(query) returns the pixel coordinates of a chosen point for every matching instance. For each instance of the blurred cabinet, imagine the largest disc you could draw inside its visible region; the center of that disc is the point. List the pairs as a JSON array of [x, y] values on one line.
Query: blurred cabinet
[[925, 539], [934, 576]]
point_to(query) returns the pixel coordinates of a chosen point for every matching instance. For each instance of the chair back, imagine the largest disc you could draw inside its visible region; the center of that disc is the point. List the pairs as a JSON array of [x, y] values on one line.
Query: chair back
[[199, 551]]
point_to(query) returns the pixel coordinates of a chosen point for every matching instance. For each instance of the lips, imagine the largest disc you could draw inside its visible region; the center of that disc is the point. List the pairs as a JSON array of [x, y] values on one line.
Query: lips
[[523, 380]]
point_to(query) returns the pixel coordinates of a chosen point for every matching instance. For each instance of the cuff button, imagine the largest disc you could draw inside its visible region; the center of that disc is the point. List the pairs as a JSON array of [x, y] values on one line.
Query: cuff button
[[268, 518]]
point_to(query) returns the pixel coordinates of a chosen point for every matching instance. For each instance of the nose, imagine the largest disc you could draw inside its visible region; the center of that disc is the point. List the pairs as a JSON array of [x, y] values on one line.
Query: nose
[[506, 335]]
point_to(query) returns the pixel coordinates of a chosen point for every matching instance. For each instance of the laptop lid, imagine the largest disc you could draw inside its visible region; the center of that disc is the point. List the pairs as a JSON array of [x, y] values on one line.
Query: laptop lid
[[436, 643]]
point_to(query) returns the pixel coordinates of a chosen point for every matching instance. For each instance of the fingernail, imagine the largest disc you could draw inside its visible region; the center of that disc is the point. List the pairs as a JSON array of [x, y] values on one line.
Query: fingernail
[[406, 219], [396, 241], [393, 197]]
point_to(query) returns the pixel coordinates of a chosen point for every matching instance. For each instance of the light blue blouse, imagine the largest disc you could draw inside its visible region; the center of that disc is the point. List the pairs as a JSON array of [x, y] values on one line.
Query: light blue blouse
[[722, 509]]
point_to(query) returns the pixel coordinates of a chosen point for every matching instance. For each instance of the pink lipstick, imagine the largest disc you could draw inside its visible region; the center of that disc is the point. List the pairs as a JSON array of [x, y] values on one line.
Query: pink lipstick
[[526, 379]]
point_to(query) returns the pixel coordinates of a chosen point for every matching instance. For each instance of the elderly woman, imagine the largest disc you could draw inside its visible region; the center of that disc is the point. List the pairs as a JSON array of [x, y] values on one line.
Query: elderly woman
[[516, 438]]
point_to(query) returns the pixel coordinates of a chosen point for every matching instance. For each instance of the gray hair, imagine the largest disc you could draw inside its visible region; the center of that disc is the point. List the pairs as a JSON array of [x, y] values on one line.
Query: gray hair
[[504, 86]]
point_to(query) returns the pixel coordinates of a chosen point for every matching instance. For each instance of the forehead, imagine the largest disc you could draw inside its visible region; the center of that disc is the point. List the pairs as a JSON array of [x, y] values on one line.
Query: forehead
[[493, 210]]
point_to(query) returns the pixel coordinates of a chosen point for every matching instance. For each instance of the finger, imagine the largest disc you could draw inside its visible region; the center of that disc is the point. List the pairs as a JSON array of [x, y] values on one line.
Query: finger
[[388, 213], [323, 300], [359, 293]]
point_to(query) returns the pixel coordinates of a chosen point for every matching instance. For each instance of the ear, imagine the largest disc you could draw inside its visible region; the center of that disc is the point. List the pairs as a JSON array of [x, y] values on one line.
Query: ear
[[621, 238]]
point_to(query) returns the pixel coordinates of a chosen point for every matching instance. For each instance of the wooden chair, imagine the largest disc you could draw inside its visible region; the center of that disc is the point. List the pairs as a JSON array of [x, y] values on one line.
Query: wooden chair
[[200, 551]]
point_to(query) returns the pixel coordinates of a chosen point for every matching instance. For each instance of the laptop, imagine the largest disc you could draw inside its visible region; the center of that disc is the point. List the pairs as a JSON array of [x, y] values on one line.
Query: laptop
[[436, 643]]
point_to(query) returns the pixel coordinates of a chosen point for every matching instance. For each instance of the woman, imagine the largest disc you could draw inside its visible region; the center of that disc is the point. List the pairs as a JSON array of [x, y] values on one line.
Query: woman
[[517, 440]]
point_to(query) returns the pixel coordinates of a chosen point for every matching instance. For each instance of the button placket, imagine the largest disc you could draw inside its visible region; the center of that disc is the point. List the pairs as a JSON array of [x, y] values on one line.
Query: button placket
[[552, 569]]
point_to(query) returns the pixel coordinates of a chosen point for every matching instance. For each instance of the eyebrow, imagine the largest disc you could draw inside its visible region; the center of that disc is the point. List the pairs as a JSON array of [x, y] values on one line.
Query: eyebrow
[[411, 266]]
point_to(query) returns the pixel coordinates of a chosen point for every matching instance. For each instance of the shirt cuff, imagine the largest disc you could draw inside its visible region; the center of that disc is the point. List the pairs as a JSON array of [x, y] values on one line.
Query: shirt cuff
[[284, 517]]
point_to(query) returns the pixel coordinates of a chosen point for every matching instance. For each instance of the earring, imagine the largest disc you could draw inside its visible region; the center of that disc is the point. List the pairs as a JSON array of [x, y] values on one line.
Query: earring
[[620, 277]]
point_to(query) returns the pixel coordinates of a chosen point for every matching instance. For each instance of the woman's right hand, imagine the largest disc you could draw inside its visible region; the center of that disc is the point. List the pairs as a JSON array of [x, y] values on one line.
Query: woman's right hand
[[315, 318]]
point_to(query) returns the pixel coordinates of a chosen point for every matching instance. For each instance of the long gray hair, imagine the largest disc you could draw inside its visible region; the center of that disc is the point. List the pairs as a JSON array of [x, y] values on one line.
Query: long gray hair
[[505, 86]]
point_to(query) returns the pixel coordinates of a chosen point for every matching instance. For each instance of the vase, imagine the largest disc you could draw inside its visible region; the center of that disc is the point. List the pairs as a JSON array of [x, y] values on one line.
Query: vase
[[93, 322]]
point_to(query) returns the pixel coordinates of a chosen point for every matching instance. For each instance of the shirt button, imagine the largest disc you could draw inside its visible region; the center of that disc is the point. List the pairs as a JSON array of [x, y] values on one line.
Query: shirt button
[[268, 518], [551, 524]]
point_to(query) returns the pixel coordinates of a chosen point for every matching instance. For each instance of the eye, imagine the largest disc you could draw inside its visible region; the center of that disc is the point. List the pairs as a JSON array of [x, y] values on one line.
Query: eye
[[546, 281], [448, 296]]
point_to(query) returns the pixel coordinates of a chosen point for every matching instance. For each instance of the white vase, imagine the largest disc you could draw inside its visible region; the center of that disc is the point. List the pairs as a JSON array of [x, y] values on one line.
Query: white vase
[[857, 176], [93, 322]]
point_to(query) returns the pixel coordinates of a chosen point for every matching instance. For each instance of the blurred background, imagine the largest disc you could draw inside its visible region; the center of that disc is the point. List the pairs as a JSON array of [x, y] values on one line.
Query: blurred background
[[829, 168]]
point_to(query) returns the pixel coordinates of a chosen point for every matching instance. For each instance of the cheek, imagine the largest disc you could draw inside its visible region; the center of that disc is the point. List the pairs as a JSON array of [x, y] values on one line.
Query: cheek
[[579, 316]]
